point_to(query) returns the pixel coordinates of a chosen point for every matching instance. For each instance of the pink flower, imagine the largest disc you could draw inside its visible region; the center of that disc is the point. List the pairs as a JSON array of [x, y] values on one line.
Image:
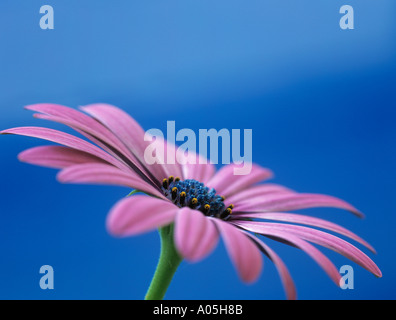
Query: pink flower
[[202, 204]]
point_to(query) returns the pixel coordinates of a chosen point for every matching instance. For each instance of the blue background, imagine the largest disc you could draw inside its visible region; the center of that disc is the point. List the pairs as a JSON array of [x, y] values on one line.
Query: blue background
[[320, 100]]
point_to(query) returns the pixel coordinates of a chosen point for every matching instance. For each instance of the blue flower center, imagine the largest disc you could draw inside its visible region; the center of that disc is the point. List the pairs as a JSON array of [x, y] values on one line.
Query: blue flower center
[[194, 194]]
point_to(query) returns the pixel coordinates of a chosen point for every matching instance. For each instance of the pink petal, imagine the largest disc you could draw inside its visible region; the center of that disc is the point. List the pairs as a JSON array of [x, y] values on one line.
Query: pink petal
[[105, 140], [66, 140], [195, 234], [307, 220], [56, 157], [293, 201], [242, 250], [258, 191], [284, 274], [66, 113], [106, 174], [314, 253], [78, 121], [168, 167], [132, 134], [198, 168], [319, 237], [138, 214], [227, 184], [120, 123]]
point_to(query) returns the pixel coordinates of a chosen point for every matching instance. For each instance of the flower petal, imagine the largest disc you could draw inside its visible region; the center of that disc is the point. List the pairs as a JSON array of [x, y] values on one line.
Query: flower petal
[[120, 123], [293, 201], [314, 253], [321, 238], [227, 183], [307, 220], [198, 168], [195, 235], [107, 141], [138, 214], [242, 250], [166, 157], [79, 121], [106, 174], [56, 157], [284, 274], [132, 134], [258, 191], [66, 140]]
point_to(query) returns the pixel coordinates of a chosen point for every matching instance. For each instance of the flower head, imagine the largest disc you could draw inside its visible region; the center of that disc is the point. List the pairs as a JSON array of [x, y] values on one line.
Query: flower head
[[201, 203]]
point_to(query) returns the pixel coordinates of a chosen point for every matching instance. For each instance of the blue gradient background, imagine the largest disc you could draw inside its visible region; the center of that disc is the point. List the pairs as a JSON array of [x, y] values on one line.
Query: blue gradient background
[[320, 100]]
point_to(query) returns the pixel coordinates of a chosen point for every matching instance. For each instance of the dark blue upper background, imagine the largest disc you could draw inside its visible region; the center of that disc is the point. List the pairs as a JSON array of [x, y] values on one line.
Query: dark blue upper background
[[320, 100]]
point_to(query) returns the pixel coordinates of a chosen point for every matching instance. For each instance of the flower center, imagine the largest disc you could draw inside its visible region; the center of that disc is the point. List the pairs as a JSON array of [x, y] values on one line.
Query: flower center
[[194, 194]]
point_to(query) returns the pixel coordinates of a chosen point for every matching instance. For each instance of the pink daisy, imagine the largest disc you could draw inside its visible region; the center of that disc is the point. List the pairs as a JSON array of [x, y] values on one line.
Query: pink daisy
[[191, 204]]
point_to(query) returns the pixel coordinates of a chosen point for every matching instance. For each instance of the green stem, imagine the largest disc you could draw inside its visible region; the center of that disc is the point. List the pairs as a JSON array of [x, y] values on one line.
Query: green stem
[[133, 192], [167, 265]]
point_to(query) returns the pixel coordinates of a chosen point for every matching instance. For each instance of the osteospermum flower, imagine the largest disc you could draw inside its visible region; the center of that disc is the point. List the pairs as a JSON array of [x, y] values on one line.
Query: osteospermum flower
[[192, 205]]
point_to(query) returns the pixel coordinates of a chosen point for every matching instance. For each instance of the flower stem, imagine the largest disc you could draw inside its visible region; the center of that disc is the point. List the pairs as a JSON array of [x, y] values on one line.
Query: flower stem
[[167, 265]]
